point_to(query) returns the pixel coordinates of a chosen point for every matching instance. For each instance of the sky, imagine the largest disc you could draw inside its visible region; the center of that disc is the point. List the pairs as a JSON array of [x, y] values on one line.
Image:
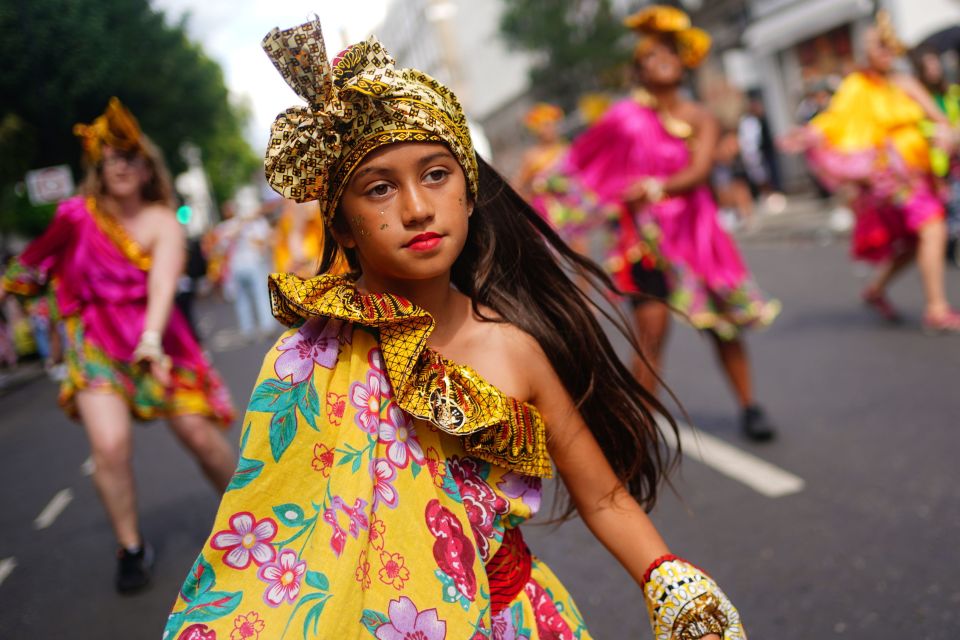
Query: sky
[[230, 32]]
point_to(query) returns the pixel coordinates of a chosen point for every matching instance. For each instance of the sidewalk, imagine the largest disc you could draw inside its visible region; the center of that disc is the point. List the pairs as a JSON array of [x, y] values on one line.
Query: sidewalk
[[805, 218]]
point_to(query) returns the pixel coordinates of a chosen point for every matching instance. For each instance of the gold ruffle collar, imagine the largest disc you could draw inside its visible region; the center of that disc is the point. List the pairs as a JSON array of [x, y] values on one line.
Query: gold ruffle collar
[[454, 398]]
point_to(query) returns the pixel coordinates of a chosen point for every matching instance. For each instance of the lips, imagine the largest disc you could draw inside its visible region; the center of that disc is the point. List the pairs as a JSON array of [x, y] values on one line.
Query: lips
[[424, 241]]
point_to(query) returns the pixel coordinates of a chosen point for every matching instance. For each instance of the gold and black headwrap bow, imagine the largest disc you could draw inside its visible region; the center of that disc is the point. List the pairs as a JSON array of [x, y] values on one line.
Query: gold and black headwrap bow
[[693, 44], [356, 104], [116, 128]]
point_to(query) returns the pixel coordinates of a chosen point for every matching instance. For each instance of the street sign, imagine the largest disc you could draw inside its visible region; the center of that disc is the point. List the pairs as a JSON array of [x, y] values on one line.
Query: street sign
[[50, 184]]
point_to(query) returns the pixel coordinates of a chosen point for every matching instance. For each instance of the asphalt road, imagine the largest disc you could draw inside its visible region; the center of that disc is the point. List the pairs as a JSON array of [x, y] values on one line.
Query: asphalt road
[[868, 548]]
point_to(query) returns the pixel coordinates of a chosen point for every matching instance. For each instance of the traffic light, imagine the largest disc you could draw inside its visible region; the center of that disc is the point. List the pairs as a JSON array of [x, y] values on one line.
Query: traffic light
[[183, 214]]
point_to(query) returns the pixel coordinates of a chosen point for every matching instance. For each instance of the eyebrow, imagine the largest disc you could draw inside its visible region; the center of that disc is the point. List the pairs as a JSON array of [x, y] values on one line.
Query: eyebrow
[[433, 157]]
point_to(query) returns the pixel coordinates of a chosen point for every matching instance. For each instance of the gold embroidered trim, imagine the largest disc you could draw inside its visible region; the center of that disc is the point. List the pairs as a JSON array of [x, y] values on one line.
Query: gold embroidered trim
[[112, 228], [453, 397]]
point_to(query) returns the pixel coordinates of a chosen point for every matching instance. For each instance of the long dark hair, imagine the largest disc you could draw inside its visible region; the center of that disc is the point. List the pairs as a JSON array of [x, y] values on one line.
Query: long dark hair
[[516, 264]]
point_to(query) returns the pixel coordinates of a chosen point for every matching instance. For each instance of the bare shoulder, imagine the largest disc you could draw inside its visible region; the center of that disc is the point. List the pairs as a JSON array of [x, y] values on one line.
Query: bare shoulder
[[697, 114], [162, 220], [507, 356]]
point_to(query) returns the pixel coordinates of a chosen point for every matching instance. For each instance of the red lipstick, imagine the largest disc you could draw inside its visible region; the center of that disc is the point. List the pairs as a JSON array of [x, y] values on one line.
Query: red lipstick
[[424, 241]]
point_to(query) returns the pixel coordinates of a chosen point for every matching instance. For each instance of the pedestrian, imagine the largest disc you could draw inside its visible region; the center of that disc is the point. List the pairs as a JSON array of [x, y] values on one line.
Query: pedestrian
[[383, 475], [869, 139], [650, 158], [117, 251], [244, 240], [759, 152]]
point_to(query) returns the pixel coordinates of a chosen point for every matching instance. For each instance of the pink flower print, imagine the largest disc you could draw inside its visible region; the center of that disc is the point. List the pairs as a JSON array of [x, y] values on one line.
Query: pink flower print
[[336, 403], [369, 400], [282, 578], [401, 440], [317, 342], [550, 624], [375, 358], [393, 570], [247, 627], [481, 502], [383, 474], [357, 520], [322, 459], [198, 632], [453, 552], [406, 623], [362, 574], [246, 539], [502, 626], [527, 488]]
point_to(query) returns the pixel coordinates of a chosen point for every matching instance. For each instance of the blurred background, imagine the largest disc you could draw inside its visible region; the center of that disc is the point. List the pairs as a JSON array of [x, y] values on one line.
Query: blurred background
[[846, 526]]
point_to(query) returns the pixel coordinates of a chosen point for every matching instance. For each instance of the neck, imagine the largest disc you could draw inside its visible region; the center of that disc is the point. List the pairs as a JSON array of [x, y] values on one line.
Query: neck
[[666, 96], [126, 206], [436, 296]]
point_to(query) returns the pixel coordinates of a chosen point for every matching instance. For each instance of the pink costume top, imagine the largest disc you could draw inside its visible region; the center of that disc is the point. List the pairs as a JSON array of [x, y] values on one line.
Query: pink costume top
[[680, 235], [102, 293]]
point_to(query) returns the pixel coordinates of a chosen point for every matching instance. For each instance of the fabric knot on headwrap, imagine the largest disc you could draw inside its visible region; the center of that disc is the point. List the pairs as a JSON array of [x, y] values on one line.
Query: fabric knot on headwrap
[[357, 104], [693, 44], [116, 128]]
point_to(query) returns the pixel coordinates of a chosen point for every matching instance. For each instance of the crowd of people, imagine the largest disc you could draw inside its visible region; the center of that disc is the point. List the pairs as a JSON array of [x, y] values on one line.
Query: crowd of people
[[444, 353]]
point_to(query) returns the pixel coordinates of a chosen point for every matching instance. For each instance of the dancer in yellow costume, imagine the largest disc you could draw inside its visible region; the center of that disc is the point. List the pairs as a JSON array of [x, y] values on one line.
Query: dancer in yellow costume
[[299, 239], [870, 139], [398, 433]]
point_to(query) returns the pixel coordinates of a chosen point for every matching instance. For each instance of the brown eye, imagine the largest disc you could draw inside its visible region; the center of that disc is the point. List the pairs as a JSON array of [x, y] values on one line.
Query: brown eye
[[437, 175]]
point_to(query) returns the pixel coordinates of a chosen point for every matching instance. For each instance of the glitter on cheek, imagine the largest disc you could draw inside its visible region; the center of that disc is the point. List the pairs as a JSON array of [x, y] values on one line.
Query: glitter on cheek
[[384, 226], [358, 223]]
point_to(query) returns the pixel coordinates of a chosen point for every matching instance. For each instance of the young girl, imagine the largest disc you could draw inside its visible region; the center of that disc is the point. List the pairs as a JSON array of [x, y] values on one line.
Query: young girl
[[397, 437], [117, 252]]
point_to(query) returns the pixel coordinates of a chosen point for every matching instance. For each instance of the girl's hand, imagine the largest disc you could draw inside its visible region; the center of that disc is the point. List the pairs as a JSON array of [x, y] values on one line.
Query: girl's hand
[[149, 351]]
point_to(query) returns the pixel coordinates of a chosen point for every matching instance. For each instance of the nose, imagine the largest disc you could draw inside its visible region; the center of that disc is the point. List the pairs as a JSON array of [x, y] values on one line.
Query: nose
[[418, 207]]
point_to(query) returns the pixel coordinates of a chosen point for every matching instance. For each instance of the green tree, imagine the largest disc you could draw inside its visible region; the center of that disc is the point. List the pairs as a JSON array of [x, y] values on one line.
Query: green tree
[[581, 45], [63, 59]]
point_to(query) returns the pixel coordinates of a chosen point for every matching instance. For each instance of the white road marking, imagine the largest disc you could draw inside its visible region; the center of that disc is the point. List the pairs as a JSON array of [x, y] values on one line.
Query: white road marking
[[758, 474], [87, 468], [7, 565], [54, 508]]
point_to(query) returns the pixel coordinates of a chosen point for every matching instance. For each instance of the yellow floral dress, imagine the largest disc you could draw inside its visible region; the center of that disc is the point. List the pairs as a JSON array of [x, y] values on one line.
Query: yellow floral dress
[[378, 494]]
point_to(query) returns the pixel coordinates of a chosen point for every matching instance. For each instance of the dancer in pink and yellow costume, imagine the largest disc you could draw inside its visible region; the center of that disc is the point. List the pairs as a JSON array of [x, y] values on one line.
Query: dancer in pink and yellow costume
[[871, 141], [648, 160], [116, 252]]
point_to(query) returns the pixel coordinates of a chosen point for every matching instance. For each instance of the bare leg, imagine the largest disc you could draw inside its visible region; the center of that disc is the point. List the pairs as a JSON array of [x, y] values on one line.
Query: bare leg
[[930, 252], [210, 448], [888, 272], [652, 321], [106, 419], [736, 365]]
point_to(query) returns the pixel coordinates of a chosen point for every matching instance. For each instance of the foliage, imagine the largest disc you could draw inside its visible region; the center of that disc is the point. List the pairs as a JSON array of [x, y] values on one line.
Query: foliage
[[63, 59], [581, 45]]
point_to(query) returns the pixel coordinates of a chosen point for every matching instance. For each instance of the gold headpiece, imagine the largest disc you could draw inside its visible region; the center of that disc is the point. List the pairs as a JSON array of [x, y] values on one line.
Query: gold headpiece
[[887, 34], [542, 113], [693, 44], [358, 104], [116, 128]]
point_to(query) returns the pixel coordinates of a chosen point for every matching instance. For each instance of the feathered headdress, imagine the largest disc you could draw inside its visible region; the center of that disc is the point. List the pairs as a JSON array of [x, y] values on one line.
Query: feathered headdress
[[357, 104]]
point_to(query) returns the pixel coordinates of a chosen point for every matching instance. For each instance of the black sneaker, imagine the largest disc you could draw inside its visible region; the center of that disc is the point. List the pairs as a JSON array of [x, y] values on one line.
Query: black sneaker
[[134, 568], [755, 424]]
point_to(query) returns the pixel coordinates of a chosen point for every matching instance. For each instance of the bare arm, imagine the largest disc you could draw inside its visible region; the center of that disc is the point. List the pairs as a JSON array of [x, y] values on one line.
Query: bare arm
[[168, 256], [608, 510], [912, 87]]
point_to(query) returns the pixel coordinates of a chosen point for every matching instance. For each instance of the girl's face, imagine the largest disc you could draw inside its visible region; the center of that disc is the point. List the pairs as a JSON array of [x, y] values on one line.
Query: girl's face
[[405, 211], [658, 63], [124, 172]]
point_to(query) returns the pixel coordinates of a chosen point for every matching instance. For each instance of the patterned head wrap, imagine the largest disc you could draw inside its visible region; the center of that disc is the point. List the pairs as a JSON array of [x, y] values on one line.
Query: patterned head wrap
[[359, 103], [116, 128], [693, 44]]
